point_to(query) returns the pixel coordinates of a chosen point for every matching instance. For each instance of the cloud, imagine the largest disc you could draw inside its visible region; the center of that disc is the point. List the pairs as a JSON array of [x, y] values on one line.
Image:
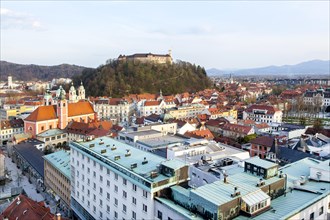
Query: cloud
[[17, 20]]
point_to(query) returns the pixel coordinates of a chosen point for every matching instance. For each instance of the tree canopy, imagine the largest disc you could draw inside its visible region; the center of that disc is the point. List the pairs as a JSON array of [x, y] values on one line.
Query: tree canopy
[[117, 78]]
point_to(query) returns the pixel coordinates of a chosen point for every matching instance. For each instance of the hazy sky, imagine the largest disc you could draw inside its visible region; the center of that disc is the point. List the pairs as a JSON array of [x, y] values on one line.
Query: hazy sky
[[212, 34]]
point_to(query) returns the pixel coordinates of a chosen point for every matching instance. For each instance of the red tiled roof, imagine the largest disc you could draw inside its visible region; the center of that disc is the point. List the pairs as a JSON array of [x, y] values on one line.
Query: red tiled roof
[[151, 103], [24, 208], [237, 128], [266, 141], [43, 113], [80, 108], [205, 133]]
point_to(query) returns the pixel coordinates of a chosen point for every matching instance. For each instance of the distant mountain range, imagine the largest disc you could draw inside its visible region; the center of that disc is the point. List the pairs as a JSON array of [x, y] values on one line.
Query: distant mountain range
[[308, 67], [37, 72]]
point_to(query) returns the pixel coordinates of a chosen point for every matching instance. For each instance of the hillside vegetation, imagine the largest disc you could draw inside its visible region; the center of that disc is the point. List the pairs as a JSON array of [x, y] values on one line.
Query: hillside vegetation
[[116, 78], [37, 72]]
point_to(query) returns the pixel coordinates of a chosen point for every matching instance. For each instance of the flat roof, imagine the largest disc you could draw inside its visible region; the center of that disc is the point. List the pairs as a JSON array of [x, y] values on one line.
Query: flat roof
[[162, 141], [261, 163], [51, 132], [61, 161], [142, 133], [102, 148]]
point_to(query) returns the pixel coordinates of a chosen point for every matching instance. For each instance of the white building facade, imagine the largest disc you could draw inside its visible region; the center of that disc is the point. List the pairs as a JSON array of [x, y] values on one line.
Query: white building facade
[[111, 180]]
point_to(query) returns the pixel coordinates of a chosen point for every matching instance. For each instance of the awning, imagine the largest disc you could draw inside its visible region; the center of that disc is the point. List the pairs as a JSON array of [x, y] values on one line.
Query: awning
[[255, 197]]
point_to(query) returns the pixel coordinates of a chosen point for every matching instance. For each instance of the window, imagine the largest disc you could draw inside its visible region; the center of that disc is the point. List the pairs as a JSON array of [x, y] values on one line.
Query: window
[[124, 181], [108, 171], [108, 196], [94, 174], [159, 215], [88, 169], [94, 209], [108, 182], [94, 163], [94, 186], [116, 202], [101, 203], [101, 214], [124, 208], [116, 188], [116, 214], [311, 216], [42, 128], [88, 203], [145, 208], [116, 176], [101, 190], [124, 194], [83, 166], [88, 192], [133, 215], [94, 197], [134, 200], [101, 178], [169, 218], [108, 209], [134, 187], [321, 210], [88, 181], [145, 194]]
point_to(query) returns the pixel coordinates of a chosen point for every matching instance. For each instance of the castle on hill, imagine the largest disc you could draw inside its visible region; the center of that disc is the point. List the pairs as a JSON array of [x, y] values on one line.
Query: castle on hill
[[148, 58]]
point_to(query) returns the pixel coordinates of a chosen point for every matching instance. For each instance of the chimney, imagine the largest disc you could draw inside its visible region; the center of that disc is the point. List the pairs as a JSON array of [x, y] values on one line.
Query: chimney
[[58, 216], [225, 178]]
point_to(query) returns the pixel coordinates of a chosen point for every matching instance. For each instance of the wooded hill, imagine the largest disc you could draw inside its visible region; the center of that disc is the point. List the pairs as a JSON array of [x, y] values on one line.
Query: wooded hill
[[37, 72], [118, 78]]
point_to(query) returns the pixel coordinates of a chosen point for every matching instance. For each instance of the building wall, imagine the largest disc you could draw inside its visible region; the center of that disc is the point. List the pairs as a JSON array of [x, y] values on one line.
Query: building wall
[[2, 164], [315, 209], [166, 212], [58, 182], [87, 172]]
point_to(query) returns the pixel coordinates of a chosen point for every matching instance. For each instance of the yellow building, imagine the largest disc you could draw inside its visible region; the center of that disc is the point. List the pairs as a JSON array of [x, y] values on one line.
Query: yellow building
[[57, 176], [14, 111]]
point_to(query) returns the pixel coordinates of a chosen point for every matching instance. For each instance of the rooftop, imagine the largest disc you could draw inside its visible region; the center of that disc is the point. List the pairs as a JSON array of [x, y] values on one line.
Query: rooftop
[[61, 161], [32, 155], [162, 141], [126, 158], [261, 163], [51, 132]]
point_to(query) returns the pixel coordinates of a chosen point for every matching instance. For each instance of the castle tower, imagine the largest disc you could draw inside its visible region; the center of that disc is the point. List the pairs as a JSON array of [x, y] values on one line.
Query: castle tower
[[72, 94], [81, 92], [62, 110]]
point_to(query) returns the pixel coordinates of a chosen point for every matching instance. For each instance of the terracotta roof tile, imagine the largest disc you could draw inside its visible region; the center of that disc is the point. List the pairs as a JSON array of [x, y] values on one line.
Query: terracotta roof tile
[[26, 209], [80, 108], [43, 113]]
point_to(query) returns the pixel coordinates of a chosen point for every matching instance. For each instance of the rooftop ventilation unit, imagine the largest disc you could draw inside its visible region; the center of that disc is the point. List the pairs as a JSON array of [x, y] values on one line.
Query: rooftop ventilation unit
[[261, 183], [103, 151], [144, 161], [117, 157], [128, 153], [133, 165], [236, 192], [153, 174], [91, 145], [113, 147]]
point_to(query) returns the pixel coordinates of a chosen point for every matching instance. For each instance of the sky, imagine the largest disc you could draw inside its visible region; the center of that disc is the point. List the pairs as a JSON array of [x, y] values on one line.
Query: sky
[[213, 34]]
